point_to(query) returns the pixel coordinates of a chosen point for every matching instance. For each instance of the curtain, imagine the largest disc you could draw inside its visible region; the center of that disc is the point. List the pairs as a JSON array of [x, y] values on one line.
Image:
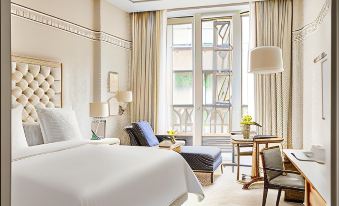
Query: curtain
[[146, 37], [164, 100], [272, 26]]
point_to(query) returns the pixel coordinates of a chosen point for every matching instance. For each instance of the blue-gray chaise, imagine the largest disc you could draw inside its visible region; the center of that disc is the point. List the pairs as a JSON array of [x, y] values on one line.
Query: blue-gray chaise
[[200, 158]]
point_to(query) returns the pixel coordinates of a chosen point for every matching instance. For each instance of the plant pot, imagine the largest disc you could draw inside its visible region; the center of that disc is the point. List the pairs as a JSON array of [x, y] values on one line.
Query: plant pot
[[246, 131]]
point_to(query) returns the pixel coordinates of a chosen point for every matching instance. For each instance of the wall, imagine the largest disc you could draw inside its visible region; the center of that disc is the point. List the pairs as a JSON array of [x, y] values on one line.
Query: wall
[[101, 44], [312, 36], [116, 59]]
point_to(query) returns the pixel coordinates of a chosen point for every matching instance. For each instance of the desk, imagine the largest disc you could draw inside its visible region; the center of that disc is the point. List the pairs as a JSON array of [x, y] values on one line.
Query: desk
[[238, 140], [316, 190]]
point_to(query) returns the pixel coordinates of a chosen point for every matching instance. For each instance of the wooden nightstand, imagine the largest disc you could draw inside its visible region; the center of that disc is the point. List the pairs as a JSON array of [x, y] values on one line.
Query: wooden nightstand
[[110, 141]]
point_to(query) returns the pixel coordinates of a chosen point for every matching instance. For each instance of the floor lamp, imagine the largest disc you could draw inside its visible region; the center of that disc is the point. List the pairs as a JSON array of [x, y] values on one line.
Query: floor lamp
[[266, 60]]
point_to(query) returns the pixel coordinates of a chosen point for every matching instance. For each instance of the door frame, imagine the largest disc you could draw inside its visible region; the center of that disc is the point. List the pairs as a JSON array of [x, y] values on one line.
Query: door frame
[[5, 103]]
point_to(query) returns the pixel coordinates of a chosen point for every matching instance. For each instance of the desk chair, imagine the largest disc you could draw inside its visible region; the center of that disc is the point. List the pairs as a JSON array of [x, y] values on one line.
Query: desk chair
[[275, 177]]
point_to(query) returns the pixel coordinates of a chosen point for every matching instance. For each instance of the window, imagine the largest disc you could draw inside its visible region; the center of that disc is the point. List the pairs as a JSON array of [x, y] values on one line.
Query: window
[[181, 63]]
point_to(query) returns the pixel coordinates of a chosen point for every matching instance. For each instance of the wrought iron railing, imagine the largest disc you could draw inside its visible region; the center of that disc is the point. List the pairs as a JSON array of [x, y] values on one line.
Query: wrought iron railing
[[216, 119]]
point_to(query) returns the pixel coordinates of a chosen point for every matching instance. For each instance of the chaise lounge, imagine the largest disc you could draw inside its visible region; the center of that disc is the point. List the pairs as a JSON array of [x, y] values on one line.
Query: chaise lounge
[[200, 158]]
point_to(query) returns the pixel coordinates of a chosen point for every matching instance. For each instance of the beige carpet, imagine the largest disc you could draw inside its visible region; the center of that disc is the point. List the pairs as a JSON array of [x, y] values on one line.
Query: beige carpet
[[227, 191]]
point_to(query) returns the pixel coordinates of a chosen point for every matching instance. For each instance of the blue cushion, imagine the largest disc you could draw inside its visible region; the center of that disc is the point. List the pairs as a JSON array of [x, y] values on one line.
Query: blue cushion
[[145, 134]]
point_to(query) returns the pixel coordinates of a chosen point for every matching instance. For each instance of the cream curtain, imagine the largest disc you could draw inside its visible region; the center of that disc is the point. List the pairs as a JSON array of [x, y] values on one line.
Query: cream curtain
[[146, 37], [272, 26]]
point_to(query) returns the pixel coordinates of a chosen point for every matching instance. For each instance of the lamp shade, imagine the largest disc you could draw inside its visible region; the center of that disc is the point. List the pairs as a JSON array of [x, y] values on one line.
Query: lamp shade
[[99, 109], [125, 96], [266, 60]]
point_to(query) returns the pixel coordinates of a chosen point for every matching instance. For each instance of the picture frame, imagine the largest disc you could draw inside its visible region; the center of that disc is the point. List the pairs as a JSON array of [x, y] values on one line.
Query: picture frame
[[113, 82]]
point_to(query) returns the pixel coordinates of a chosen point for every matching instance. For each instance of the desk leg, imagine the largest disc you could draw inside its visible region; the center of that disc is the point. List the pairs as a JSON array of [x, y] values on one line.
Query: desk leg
[[257, 160], [255, 168], [254, 159], [233, 160], [255, 179]]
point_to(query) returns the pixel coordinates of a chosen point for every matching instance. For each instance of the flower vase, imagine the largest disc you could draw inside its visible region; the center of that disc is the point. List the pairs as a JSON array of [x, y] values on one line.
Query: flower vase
[[246, 131], [172, 138]]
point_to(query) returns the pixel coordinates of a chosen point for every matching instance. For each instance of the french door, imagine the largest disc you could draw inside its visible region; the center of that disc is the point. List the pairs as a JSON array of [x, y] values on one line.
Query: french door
[[200, 57]]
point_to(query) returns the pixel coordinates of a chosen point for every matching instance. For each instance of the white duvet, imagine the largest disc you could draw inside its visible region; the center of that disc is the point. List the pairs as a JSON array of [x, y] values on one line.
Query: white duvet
[[81, 174]]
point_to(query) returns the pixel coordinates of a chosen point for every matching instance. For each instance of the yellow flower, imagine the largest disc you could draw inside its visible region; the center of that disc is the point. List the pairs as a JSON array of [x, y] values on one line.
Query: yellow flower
[[171, 132]]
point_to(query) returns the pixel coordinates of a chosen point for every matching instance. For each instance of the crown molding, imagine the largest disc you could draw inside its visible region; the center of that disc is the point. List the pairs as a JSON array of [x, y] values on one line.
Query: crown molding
[[141, 1], [300, 35], [67, 26]]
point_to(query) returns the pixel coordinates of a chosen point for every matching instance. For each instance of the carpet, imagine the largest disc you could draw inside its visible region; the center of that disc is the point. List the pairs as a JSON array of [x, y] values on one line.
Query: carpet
[[227, 191]]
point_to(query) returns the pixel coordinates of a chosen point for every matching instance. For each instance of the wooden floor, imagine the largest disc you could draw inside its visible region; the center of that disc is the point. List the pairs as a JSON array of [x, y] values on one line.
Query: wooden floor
[[226, 191]]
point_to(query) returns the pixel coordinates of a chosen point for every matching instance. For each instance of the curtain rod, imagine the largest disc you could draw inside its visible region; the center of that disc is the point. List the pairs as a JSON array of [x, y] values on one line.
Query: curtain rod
[[209, 6]]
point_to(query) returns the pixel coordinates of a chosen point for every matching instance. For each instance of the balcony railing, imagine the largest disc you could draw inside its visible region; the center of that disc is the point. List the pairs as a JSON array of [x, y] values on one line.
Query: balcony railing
[[182, 118], [216, 119]]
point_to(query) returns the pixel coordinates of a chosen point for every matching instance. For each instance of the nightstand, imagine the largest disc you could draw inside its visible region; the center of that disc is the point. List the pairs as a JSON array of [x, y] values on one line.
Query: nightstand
[[110, 141]]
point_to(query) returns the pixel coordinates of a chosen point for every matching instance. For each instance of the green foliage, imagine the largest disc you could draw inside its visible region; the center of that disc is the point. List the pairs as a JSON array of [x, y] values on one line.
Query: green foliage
[[208, 81], [247, 120], [183, 80]]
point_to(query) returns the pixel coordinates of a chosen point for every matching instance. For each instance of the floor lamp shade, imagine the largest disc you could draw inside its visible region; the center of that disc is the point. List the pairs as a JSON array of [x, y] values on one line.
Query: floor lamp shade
[[99, 109], [266, 60]]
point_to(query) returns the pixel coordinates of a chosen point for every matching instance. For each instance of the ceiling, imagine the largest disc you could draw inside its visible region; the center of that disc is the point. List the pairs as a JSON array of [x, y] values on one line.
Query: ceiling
[[171, 5]]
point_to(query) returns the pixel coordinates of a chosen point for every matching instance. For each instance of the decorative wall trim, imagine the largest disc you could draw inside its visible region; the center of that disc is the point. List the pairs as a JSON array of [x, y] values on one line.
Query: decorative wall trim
[[303, 33], [67, 26], [141, 1]]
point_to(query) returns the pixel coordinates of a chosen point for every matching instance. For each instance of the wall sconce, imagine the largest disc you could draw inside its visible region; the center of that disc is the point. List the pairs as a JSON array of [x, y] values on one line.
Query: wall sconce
[[124, 97]]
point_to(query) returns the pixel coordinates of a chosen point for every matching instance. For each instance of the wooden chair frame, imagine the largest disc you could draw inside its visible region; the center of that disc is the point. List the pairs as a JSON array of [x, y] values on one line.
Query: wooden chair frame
[[268, 185]]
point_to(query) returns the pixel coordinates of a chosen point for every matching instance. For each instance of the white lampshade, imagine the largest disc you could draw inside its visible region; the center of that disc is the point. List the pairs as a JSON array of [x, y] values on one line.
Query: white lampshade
[[99, 109], [266, 60], [125, 96]]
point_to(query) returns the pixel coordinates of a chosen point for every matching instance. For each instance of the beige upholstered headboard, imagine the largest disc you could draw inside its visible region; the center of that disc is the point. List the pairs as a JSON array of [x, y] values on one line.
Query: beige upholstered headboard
[[36, 82]]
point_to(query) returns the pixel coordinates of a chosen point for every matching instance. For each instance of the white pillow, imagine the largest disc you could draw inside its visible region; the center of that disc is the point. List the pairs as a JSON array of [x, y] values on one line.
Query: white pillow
[[58, 124], [33, 134], [18, 134]]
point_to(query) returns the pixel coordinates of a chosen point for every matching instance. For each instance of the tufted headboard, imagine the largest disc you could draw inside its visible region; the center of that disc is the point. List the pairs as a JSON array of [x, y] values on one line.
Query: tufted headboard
[[36, 82]]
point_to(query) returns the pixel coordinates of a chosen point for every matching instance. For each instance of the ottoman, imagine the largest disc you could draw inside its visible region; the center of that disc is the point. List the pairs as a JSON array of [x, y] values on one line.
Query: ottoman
[[202, 158]]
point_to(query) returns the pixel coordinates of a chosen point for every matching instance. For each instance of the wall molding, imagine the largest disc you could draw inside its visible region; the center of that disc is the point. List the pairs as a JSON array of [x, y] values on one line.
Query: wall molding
[[67, 26], [300, 35]]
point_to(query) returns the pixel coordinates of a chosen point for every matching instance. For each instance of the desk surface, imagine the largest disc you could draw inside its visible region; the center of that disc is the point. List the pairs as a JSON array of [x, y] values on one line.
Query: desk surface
[[251, 139], [315, 173]]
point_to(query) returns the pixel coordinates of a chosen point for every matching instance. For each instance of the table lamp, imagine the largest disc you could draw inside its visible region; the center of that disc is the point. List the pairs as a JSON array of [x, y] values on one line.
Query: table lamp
[[98, 110]]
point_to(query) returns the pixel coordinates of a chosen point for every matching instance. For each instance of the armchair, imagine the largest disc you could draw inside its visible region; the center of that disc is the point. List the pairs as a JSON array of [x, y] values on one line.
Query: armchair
[[275, 177]]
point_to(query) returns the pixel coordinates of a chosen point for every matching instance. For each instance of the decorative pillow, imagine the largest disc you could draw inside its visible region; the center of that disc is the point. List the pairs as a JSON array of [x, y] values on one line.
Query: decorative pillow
[[33, 134], [58, 124], [18, 134], [145, 134]]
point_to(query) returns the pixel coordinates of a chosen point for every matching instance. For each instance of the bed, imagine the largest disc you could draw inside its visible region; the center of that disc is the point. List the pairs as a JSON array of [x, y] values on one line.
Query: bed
[[80, 173]]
